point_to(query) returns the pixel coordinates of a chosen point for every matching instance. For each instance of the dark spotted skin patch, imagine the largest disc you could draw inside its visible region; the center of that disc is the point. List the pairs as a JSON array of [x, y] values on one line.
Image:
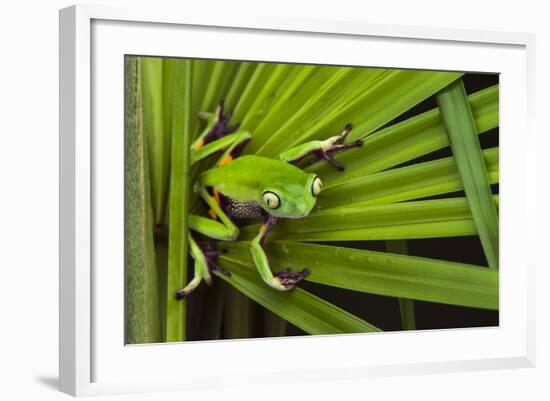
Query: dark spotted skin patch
[[241, 210]]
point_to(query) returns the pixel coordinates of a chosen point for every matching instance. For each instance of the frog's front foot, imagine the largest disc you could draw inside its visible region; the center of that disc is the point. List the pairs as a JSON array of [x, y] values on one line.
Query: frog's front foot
[[285, 280], [335, 144]]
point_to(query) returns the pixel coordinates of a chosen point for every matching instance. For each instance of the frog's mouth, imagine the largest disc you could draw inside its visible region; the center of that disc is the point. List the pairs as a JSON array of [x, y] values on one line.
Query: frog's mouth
[[298, 214]]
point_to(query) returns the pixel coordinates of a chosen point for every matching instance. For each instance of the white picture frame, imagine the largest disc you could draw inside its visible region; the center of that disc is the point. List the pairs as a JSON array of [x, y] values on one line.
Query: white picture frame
[[93, 358]]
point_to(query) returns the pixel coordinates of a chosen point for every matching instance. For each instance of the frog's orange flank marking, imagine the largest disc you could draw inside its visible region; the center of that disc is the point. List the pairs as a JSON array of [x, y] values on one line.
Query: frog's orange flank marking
[[212, 212], [226, 160], [198, 144]]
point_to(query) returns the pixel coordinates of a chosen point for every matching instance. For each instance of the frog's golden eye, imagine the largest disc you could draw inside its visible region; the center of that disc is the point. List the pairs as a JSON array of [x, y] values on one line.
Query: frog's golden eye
[[271, 200], [316, 186]]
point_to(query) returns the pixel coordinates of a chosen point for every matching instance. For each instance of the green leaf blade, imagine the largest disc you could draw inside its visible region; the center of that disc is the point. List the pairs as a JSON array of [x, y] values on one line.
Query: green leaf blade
[[417, 181], [407, 140], [406, 306], [406, 220], [306, 311], [382, 273], [367, 106], [462, 132], [158, 140]]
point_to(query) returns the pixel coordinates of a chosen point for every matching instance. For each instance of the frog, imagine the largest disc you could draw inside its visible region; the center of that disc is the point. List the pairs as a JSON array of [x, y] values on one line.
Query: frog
[[252, 187]]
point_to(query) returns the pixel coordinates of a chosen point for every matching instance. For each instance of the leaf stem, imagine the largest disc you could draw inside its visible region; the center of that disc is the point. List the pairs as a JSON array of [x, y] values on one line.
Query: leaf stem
[[179, 200]]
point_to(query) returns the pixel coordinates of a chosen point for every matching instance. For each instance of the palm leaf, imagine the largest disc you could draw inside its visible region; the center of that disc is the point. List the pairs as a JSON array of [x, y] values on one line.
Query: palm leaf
[[407, 140], [158, 141], [460, 124], [382, 273], [376, 198], [309, 103], [239, 83], [304, 310], [382, 96], [406, 220], [416, 181]]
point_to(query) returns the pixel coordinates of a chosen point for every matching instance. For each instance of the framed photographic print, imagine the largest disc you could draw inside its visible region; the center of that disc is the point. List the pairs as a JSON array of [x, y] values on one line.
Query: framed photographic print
[[305, 186]]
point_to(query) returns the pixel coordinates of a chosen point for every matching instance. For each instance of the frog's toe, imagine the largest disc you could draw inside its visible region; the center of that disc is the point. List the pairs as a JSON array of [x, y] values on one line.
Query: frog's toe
[[288, 279], [333, 145], [215, 268], [220, 127]]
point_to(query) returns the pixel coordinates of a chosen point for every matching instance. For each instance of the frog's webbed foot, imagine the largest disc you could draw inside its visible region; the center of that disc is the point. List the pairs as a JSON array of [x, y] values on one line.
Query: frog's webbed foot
[[321, 150], [205, 264], [213, 266], [283, 280], [287, 279], [335, 144], [217, 125], [211, 255]]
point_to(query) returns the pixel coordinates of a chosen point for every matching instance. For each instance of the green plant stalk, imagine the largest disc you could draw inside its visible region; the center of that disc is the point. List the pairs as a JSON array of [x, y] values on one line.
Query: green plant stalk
[[304, 310], [381, 273], [142, 317], [167, 98], [461, 129], [179, 200], [406, 306]]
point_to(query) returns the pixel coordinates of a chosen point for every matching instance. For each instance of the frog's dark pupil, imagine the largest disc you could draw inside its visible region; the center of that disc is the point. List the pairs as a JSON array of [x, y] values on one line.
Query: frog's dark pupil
[[317, 181], [271, 202]]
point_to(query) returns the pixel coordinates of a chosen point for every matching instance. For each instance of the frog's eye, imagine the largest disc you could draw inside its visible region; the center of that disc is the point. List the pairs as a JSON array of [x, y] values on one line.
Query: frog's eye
[[271, 200], [316, 186]]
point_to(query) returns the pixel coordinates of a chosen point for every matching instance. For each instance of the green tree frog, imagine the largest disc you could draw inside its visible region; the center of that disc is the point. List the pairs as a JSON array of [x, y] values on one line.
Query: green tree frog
[[252, 187]]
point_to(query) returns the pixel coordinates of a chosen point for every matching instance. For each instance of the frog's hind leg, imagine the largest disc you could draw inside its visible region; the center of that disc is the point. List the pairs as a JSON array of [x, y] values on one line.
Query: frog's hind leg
[[321, 150], [236, 148], [284, 280], [205, 258], [232, 146]]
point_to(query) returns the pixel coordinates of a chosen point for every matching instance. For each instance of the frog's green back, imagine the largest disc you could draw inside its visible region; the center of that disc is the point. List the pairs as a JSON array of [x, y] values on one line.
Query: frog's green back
[[247, 177]]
